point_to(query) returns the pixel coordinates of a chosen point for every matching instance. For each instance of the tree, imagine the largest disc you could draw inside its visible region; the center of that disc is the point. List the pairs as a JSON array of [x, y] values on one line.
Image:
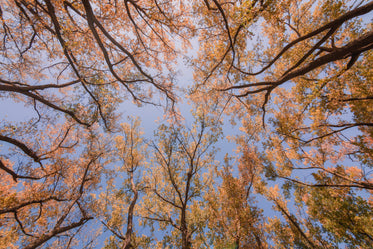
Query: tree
[[117, 205], [49, 204], [234, 220], [71, 67], [178, 180], [304, 104], [296, 76]]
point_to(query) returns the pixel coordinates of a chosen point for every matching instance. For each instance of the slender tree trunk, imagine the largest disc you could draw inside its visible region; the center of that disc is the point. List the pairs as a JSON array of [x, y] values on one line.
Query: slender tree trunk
[[127, 242], [185, 239], [186, 243]]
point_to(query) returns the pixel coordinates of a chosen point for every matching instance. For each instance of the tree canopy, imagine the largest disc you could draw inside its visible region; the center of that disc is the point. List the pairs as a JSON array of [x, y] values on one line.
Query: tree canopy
[[289, 82]]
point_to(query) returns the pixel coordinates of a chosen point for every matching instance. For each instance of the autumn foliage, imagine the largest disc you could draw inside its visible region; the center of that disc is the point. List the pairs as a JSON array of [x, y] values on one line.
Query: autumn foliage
[[289, 83]]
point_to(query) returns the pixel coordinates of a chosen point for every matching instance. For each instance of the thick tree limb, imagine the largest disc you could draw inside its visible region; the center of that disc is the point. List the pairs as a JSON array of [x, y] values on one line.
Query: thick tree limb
[[361, 185], [22, 146], [41, 99], [357, 46], [24, 87], [333, 25], [294, 222], [56, 231], [31, 202], [14, 175]]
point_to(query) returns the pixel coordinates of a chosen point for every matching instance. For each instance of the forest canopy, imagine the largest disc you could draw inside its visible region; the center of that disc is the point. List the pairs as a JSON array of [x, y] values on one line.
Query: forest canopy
[[288, 83]]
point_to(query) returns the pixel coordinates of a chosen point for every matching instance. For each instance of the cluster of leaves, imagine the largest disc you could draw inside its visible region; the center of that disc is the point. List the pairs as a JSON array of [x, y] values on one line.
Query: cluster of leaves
[[296, 76]]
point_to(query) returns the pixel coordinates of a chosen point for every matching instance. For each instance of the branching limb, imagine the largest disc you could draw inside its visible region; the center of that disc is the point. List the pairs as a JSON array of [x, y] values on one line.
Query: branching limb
[[21, 146], [16, 176]]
